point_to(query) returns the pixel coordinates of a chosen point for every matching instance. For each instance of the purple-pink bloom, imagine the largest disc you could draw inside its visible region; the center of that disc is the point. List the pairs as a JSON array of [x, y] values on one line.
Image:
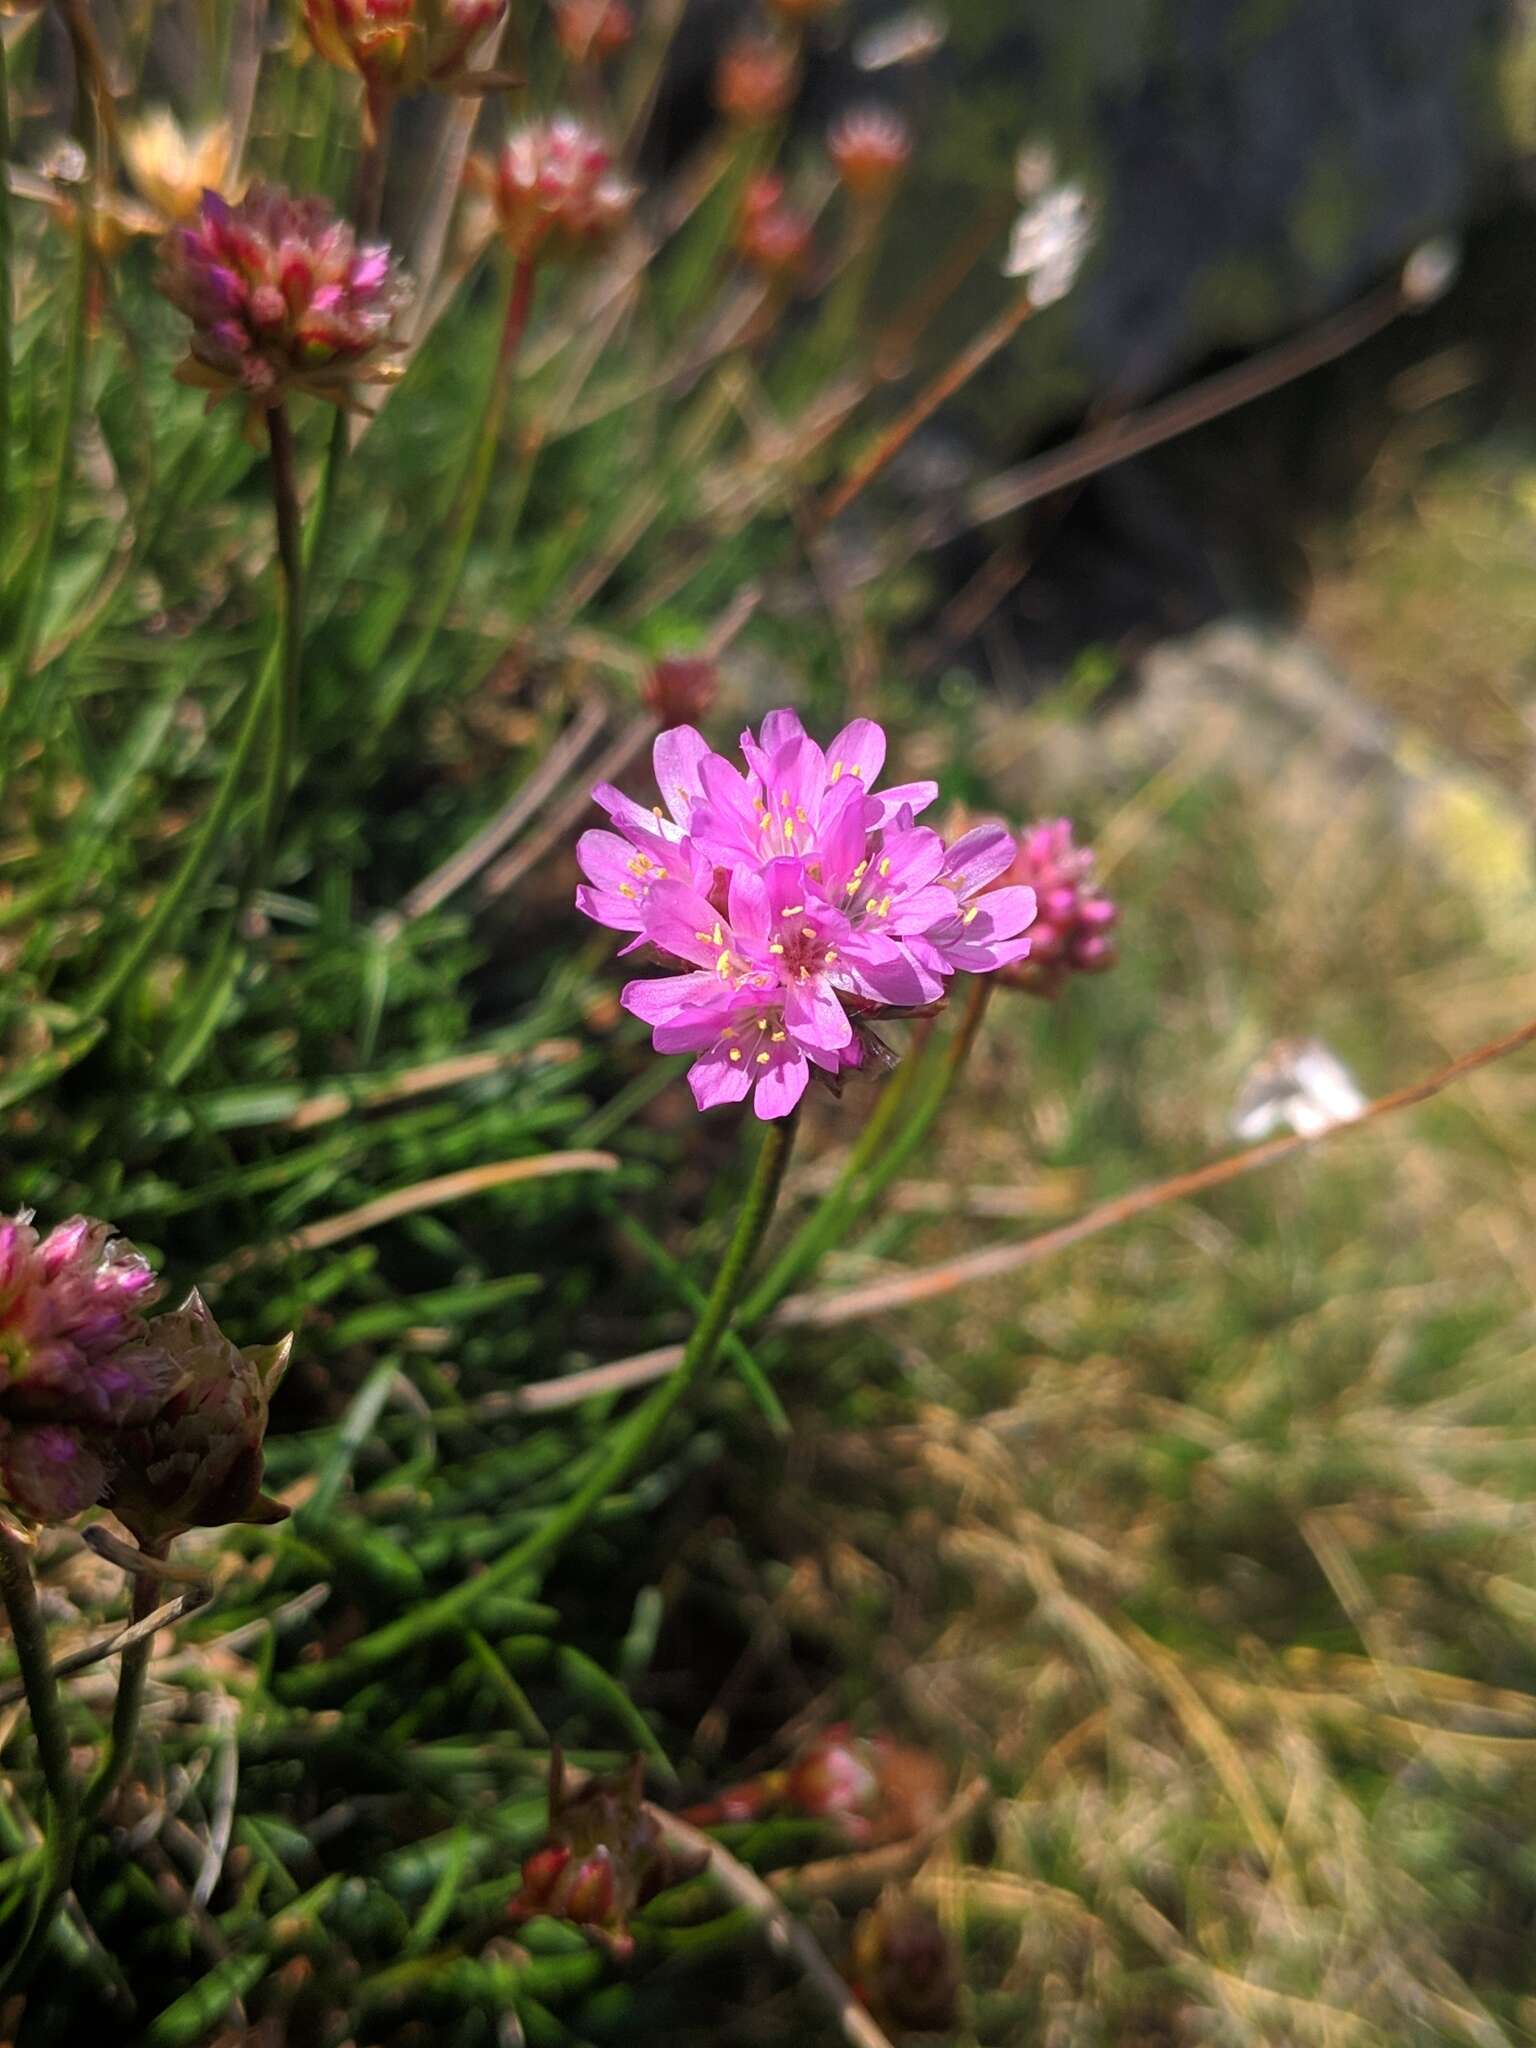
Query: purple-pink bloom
[[797, 899], [75, 1359]]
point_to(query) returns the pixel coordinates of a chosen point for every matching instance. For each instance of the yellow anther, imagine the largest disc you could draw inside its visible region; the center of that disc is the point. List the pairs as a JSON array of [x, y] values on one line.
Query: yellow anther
[[789, 828], [885, 865], [774, 946], [723, 964], [837, 771], [764, 1058], [793, 910], [974, 911], [779, 1037], [830, 955], [735, 1053], [872, 905], [626, 890], [807, 931]]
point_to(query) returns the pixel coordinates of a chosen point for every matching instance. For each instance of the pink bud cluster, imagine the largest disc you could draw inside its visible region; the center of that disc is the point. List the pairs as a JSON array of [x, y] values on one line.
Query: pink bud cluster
[[282, 297], [792, 901], [76, 1359], [871, 1788], [163, 1417], [555, 190], [1071, 930], [870, 147], [773, 237]]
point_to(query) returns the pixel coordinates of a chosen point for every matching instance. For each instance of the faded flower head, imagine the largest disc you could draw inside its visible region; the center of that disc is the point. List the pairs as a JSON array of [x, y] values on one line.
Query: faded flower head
[[681, 688], [197, 1462], [592, 31], [1071, 931], [773, 237], [399, 46], [555, 190], [1052, 236], [171, 167], [905, 1966], [870, 147], [793, 902], [603, 1857], [282, 297], [873, 1788], [755, 81], [76, 1359]]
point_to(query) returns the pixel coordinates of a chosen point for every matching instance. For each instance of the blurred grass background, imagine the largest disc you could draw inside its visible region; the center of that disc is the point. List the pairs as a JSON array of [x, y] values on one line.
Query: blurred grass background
[[1208, 1544]]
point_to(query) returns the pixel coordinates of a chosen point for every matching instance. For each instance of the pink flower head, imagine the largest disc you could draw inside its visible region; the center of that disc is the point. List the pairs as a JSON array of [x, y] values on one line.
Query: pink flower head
[[591, 31], [773, 237], [1071, 932], [795, 899], [555, 190], [282, 297], [755, 80], [76, 1359]]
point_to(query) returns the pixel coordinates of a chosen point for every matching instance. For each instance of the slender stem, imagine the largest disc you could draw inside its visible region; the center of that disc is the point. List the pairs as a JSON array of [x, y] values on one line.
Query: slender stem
[[62, 1820], [471, 497], [865, 1178], [130, 1692], [290, 554], [617, 1457]]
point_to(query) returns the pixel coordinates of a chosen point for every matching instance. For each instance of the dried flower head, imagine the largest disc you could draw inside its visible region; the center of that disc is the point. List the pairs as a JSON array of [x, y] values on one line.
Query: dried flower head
[[872, 1787], [592, 31], [1052, 236], [555, 190], [905, 1966], [755, 81], [772, 236], [792, 902], [171, 167], [282, 298], [681, 688], [603, 1857], [1071, 930], [870, 147], [197, 1462], [399, 46], [77, 1363]]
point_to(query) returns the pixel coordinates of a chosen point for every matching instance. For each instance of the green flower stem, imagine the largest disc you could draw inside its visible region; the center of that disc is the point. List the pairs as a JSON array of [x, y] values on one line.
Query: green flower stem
[[471, 497], [866, 1177], [129, 1703], [62, 1820], [6, 288], [290, 555], [616, 1459]]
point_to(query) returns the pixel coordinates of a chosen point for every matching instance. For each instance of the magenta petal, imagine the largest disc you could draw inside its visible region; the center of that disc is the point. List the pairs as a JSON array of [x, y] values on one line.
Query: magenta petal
[[858, 750], [781, 1083], [715, 1078]]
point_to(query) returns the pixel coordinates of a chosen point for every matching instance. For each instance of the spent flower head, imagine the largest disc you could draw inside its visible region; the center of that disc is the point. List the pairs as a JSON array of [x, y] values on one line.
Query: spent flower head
[[773, 237], [681, 688], [555, 190], [906, 1969], [282, 298], [197, 1462], [794, 902], [1074, 919], [603, 1857], [870, 147], [77, 1362], [171, 167]]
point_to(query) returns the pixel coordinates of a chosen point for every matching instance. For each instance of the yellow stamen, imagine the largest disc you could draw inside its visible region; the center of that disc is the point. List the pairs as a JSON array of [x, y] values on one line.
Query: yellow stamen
[[764, 1058], [735, 1053], [793, 910]]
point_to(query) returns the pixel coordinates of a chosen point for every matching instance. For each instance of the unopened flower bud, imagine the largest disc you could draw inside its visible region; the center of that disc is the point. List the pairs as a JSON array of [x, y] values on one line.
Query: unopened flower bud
[[1070, 932], [592, 31], [555, 190], [282, 298], [905, 1966], [772, 236], [755, 81], [603, 1858], [198, 1461], [870, 147], [399, 46], [681, 689]]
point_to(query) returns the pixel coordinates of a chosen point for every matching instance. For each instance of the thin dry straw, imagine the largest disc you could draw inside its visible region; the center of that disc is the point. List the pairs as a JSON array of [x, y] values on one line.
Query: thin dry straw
[[901, 1290]]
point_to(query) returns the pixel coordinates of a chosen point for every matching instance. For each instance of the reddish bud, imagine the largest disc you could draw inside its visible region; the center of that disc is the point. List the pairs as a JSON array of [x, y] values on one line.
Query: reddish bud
[[755, 81], [681, 689], [592, 31], [1072, 921], [555, 190], [772, 237]]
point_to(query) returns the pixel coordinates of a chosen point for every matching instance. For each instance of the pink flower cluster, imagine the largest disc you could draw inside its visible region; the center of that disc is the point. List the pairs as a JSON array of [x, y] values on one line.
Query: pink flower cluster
[[794, 900], [76, 1359]]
